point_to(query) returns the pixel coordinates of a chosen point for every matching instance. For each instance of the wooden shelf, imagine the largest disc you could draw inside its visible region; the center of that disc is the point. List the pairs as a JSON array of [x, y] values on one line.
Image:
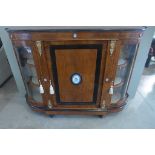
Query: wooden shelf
[[115, 98], [35, 93], [34, 83], [30, 62], [122, 63], [34, 103], [121, 102], [118, 82], [31, 65], [33, 70]]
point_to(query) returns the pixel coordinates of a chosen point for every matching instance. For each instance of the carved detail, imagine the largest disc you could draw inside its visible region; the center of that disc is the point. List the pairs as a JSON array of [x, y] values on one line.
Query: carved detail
[[103, 105], [38, 44], [50, 105], [112, 46]]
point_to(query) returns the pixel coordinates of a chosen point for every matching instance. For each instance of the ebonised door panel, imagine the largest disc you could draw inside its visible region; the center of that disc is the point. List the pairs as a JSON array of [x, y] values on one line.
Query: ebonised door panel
[[76, 72]]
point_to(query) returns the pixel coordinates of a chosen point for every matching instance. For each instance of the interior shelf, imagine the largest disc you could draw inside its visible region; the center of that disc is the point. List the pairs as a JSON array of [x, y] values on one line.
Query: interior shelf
[[115, 98], [35, 93], [120, 103], [33, 70], [118, 82], [122, 63], [34, 82], [30, 62]]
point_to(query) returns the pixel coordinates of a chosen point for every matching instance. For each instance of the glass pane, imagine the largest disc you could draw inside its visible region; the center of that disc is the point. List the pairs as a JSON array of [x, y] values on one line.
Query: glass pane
[[27, 65], [123, 71]]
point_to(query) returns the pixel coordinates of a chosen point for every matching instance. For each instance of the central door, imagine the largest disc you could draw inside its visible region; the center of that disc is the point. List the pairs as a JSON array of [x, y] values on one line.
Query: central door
[[76, 73]]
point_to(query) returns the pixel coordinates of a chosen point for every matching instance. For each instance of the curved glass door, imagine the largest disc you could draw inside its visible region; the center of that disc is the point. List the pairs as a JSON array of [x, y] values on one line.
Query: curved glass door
[[27, 65], [124, 69]]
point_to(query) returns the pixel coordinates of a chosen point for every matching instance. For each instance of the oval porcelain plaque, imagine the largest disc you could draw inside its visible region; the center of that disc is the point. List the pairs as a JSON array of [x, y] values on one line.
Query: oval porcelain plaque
[[76, 79]]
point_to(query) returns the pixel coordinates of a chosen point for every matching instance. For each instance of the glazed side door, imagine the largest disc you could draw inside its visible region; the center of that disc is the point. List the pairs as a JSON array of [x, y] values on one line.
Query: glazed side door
[[31, 67]]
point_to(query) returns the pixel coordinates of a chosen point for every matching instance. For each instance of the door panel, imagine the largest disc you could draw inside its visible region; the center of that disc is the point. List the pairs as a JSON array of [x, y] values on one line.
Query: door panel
[[69, 61], [76, 72]]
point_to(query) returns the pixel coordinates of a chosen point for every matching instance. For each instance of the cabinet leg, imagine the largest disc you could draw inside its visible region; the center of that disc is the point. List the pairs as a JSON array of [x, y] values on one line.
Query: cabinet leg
[[100, 116], [51, 116]]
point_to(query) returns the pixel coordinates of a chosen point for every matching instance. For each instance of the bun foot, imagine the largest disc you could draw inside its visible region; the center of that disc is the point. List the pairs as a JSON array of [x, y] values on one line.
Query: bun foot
[[100, 116], [51, 116]]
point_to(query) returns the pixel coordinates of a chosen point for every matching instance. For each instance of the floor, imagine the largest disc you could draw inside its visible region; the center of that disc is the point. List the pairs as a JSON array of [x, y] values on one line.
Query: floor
[[139, 112]]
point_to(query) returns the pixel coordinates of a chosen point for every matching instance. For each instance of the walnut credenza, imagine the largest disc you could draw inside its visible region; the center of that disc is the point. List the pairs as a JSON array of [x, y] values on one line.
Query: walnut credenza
[[84, 72]]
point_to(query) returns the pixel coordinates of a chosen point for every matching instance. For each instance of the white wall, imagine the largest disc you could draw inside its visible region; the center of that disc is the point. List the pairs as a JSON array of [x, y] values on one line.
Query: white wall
[[140, 60], [12, 60]]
